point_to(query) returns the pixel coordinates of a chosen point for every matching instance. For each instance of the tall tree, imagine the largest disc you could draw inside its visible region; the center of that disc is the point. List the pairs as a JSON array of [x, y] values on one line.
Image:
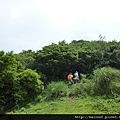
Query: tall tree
[[16, 84], [55, 61]]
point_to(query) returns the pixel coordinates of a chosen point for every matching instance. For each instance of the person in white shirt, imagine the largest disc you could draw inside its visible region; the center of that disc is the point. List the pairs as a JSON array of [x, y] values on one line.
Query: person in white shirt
[[76, 77]]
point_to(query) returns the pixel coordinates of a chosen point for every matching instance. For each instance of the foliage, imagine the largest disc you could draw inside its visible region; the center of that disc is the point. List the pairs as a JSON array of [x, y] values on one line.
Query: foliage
[[16, 84], [26, 58], [9, 69], [74, 91], [104, 79], [29, 86], [87, 87], [86, 105], [19, 83], [55, 90], [82, 89], [57, 60]]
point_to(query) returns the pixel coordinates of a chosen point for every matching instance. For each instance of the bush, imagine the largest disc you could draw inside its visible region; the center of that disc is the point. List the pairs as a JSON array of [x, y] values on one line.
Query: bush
[[74, 90], [9, 69], [29, 86], [104, 79], [88, 87], [115, 88], [55, 90], [85, 87]]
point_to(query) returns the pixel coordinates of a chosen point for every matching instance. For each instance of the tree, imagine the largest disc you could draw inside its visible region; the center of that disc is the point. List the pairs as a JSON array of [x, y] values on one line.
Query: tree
[[29, 86], [55, 61], [16, 84], [26, 57], [9, 68]]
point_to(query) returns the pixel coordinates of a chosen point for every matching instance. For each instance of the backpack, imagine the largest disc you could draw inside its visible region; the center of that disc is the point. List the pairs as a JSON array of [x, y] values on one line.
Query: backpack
[[69, 77]]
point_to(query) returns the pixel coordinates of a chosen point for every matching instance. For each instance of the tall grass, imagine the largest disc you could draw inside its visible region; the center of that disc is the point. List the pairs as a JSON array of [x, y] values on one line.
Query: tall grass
[[74, 90], [82, 89], [55, 90], [104, 79]]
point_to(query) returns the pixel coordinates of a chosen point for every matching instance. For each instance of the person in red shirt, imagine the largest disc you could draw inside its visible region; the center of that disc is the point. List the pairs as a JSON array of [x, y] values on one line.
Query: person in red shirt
[[70, 81]]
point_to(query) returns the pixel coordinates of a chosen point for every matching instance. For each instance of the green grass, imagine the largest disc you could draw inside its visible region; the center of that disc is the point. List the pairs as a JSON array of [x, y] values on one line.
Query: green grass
[[69, 105], [104, 79], [87, 97]]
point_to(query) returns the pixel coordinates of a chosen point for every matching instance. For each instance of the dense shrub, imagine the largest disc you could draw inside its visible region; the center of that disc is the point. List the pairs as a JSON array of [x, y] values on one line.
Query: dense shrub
[[85, 87], [105, 80], [88, 88], [29, 86], [74, 90], [55, 90], [116, 88], [9, 69]]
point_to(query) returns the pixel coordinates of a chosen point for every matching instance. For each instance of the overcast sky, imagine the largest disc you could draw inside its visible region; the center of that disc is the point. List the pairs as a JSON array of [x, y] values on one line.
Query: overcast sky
[[33, 24]]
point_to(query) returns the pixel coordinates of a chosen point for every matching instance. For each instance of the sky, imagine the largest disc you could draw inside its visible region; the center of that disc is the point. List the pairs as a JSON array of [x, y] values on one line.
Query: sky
[[33, 24]]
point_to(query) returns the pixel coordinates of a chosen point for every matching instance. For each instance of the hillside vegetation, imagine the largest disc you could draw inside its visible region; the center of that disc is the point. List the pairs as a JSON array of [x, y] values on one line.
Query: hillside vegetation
[[36, 82], [86, 105], [99, 95]]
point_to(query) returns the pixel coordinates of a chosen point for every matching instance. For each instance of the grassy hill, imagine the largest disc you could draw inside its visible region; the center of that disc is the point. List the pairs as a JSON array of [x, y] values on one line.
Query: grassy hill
[[77, 105], [98, 95]]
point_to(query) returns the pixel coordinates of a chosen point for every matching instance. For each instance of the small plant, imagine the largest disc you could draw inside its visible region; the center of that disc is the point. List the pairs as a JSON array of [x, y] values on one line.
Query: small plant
[[38, 98]]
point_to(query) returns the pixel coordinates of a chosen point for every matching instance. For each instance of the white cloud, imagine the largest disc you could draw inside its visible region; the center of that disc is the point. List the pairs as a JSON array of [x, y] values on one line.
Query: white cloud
[[67, 12], [36, 23], [15, 12]]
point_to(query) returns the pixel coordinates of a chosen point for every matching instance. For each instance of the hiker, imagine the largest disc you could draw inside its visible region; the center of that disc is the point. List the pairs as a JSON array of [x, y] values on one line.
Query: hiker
[[69, 77], [76, 77]]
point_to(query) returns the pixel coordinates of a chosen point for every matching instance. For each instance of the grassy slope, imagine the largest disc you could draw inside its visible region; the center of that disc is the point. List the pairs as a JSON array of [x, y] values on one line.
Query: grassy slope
[[87, 105], [82, 104]]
